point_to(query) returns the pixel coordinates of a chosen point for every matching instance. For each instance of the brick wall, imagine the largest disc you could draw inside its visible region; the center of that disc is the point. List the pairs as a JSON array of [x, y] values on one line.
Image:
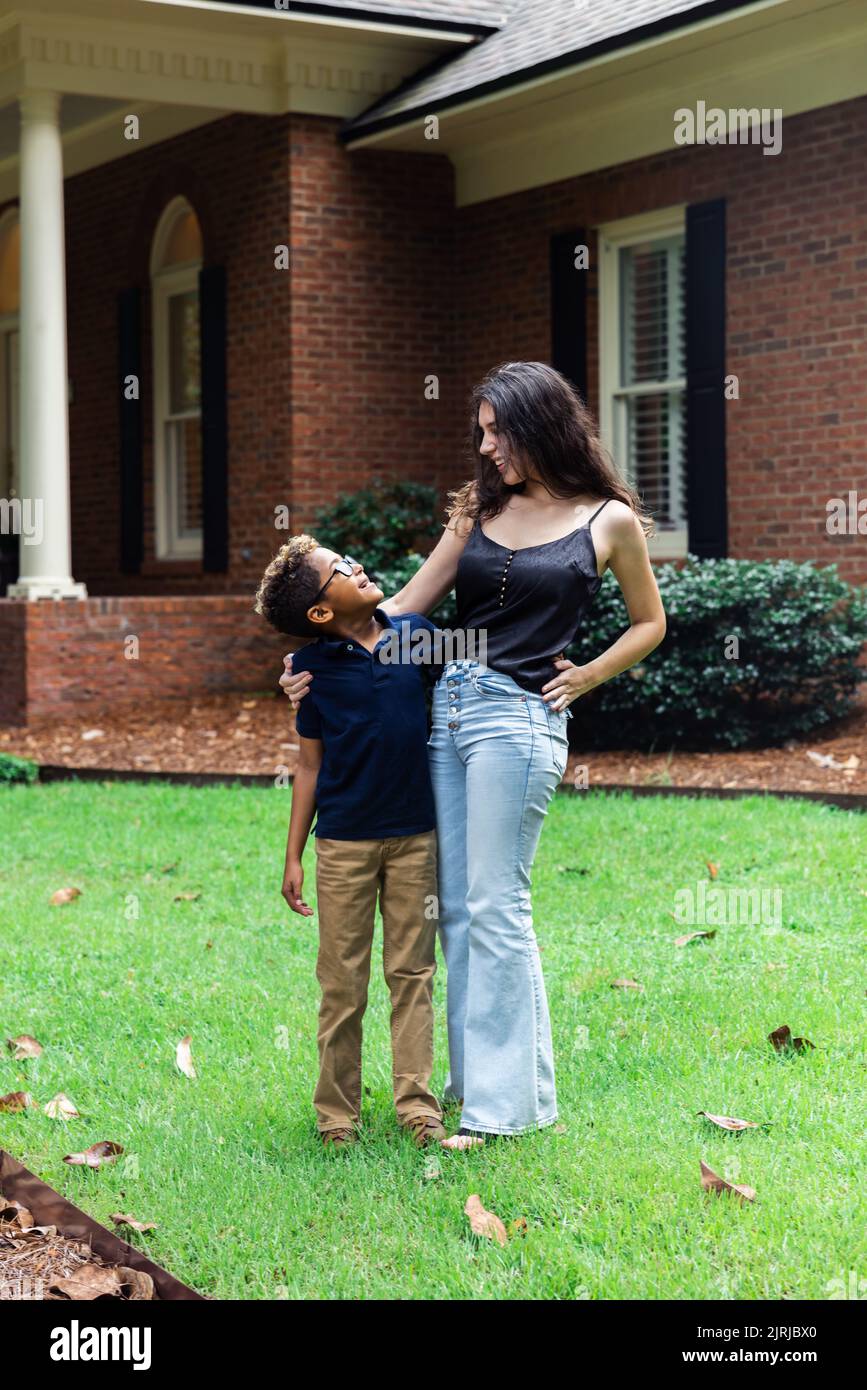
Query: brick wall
[[372, 315], [13, 663], [796, 311], [56, 656]]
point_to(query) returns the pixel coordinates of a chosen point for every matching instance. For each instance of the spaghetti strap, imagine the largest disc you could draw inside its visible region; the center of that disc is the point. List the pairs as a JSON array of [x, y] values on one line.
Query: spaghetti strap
[[597, 511]]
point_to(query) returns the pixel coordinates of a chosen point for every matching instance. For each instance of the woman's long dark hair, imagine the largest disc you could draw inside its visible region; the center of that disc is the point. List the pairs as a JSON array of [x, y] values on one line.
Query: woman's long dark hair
[[541, 418]]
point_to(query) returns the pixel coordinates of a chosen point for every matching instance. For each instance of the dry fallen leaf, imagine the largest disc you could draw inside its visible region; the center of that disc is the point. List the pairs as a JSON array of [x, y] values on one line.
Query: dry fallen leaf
[[187, 897], [519, 1226], [136, 1284], [89, 1282], [15, 1214], [726, 1121], [713, 869], [484, 1223], [184, 1057], [60, 1107], [64, 895], [711, 1182], [24, 1046], [782, 1041], [121, 1219], [104, 1152], [694, 936], [17, 1100], [626, 984]]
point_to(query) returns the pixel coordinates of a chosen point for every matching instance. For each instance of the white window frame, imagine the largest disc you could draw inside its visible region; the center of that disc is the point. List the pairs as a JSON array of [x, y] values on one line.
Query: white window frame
[[670, 543], [174, 279]]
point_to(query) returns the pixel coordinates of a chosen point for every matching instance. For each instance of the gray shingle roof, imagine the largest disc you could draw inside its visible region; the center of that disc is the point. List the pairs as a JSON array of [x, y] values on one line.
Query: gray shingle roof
[[537, 32], [478, 14]]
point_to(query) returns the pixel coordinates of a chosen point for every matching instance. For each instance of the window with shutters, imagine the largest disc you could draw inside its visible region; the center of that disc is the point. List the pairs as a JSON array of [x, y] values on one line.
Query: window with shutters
[[176, 260], [642, 364]]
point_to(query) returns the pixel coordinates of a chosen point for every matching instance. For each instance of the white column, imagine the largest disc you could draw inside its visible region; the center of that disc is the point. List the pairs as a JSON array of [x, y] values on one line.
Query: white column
[[45, 562]]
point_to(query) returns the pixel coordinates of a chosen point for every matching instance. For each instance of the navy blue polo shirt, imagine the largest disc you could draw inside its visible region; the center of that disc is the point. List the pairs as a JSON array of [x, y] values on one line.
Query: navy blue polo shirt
[[370, 714]]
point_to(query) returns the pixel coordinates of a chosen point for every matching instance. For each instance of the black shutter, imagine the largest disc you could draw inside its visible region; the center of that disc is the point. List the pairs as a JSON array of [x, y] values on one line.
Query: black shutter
[[705, 378], [569, 310], [131, 490], [215, 479]]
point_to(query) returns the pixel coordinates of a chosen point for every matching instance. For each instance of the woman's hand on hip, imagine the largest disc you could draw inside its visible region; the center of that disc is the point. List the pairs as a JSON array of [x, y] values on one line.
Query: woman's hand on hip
[[570, 682], [295, 687]]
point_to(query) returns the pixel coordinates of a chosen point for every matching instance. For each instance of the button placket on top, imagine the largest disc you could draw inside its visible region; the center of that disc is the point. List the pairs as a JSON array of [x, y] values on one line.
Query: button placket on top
[[505, 573]]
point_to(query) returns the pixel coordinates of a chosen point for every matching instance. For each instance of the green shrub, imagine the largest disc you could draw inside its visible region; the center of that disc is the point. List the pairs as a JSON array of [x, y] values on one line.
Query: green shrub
[[14, 769], [382, 524], [394, 576], [792, 668]]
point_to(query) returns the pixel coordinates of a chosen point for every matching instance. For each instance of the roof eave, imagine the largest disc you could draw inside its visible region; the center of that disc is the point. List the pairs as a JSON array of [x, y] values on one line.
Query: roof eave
[[358, 130]]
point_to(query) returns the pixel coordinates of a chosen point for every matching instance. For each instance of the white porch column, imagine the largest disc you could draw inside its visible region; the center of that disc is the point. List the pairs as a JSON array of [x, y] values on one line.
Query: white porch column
[[45, 562]]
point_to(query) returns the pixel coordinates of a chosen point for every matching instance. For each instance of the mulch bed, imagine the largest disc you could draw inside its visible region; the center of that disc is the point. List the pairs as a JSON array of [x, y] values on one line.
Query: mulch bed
[[50, 1250], [243, 734]]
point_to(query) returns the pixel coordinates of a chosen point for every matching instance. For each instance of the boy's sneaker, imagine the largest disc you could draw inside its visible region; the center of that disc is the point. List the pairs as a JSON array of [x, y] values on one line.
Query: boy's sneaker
[[338, 1138], [425, 1129]]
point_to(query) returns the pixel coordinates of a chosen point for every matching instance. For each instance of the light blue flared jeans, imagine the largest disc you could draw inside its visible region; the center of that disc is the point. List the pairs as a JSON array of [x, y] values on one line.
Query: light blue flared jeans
[[497, 754]]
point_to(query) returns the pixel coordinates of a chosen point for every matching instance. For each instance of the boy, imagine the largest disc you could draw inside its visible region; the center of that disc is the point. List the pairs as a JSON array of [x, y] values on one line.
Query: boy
[[363, 768]]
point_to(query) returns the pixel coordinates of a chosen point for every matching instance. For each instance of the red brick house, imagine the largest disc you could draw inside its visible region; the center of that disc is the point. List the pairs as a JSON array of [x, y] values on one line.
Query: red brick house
[[252, 256]]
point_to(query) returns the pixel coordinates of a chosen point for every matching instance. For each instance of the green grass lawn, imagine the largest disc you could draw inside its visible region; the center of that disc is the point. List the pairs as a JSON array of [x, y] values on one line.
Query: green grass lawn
[[229, 1165]]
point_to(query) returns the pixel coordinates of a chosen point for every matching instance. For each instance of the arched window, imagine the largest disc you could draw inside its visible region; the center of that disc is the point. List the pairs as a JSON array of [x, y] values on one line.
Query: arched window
[[10, 291], [176, 259]]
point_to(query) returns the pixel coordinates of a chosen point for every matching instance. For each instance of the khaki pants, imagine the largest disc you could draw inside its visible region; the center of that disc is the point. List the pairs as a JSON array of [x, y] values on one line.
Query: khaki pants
[[349, 874]]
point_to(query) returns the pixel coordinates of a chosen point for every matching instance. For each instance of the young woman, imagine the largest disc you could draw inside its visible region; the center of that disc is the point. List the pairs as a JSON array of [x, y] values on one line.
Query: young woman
[[525, 547]]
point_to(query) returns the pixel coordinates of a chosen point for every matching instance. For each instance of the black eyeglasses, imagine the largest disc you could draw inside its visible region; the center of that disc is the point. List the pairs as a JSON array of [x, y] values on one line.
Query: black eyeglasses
[[344, 566]]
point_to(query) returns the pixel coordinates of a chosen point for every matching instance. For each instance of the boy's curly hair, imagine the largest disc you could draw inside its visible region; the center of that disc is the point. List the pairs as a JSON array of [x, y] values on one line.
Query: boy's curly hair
[[288, 588]]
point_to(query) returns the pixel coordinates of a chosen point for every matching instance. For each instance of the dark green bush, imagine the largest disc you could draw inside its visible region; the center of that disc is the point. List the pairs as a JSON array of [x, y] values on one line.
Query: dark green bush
[[394, 576], [14, 769], [793, 668], [381, 524]]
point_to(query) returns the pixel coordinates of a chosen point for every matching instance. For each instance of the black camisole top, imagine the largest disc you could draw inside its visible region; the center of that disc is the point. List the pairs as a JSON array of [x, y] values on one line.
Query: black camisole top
[[530, 602]]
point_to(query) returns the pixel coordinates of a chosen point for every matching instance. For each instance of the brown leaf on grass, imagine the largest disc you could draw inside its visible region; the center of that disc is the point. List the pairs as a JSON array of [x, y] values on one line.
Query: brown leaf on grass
[[712, 1182], [187, 897], [121, 1219], [726, 1121], [104, 1152], [519, 1226], [89, 1282], [694, 936], [626, 984], [484, 1223], [64, 895], [184, 1057], [60, 1107], [782, 1041], [713, 869], [17, 1100], [169, 868], [24, 1046]]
